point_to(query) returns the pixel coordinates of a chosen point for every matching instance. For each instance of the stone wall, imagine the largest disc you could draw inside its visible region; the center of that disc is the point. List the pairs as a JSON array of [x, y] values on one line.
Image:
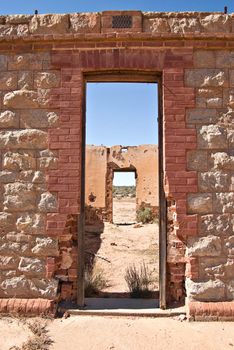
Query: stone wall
[[213, 248], [44, 62], [26, 252], [101, 162]]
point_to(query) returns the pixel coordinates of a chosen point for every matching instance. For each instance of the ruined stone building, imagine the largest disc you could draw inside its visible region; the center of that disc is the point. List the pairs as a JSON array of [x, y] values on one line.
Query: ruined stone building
[[102, 162], [45, 62]]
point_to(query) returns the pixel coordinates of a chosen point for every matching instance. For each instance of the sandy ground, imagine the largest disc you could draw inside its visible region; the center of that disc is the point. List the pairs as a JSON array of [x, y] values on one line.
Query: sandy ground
[[13, 332], [121, 333], [124, 210], [104, 333], [123, 246]]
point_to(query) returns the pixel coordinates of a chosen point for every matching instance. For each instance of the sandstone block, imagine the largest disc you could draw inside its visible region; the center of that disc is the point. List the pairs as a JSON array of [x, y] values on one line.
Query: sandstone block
[[8, 80], [6, 30], [209, 97], [13, 248], [206, 291], [212, 268], [26, 61], [224, 59], [215, 23], [22, 287], [212, 137], [45, 163], [46, 247], [19, 30], [224, 202], [8, 119], [7, 222], [184, 25], [214, 181], [3, 63], [228, 100], [230, 290], [206, 78], [204, 58], [229, 246], [204, 246], [7, 176], [16, 286], [23, 99], [8, 262], [19, 197], [197, 160], [31, 223], [36, 177], [219, 225], [230, 137], [32, 266], [24, 139], [229, 268], [223, 161], [46, 288], [38, 119], [25, 80], [156, 25], [85, 22], [18, 161], [231, 77], [199, 203], [226, 117], [48, 202], [18, 19], [202, 116], [49, 24], [46, 80]]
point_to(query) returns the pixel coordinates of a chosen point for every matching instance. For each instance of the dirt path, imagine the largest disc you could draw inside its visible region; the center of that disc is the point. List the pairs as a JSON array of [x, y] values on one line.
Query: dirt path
[[124, 246], [121, 333], [124, 210], [105, 333]]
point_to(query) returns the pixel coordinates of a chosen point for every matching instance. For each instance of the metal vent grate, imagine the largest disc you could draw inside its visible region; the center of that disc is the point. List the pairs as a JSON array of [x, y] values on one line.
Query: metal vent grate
[[122, 21]]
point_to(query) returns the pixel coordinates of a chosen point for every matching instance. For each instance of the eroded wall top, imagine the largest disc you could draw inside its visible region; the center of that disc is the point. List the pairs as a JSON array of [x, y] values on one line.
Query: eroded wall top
[[115, 22]]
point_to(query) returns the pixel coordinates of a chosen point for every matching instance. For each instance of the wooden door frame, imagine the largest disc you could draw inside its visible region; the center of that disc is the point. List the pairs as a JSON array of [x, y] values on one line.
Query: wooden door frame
[[128, 77]]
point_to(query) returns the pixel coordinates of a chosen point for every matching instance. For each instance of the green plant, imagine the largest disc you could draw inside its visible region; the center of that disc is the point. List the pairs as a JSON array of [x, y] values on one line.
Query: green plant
[[138, 281], [145, 215], [94, 281]]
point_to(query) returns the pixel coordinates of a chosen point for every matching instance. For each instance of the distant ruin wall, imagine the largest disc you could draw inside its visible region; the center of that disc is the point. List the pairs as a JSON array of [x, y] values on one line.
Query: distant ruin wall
[[44, 61], [101, 162]]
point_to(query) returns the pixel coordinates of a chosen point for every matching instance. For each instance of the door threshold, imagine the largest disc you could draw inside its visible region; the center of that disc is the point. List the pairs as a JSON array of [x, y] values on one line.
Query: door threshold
[[122, 307]]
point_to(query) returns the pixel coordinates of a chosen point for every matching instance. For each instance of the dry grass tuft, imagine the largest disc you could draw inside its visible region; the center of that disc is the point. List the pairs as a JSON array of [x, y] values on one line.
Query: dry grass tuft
[[40, 340], [138, 281], [94, 281]]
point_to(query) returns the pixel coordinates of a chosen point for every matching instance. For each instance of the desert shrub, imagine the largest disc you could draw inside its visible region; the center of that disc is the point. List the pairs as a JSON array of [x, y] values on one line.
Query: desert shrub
[[138, 281], [94, 281], [145, 215]]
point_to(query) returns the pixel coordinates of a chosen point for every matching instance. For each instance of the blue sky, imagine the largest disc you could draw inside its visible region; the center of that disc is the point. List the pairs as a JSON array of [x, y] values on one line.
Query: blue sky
[[63, 6], [121, 114]]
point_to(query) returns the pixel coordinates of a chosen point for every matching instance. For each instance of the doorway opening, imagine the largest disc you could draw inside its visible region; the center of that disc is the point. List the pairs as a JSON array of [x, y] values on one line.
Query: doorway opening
[[124, 197], [121, 142]]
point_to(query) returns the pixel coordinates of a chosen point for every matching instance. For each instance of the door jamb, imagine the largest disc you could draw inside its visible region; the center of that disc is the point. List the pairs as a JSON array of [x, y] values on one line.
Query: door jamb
[[124, 76]]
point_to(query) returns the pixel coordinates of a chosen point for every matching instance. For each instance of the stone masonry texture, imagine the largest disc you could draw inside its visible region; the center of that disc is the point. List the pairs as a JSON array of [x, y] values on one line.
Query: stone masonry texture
[[44, 62]]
